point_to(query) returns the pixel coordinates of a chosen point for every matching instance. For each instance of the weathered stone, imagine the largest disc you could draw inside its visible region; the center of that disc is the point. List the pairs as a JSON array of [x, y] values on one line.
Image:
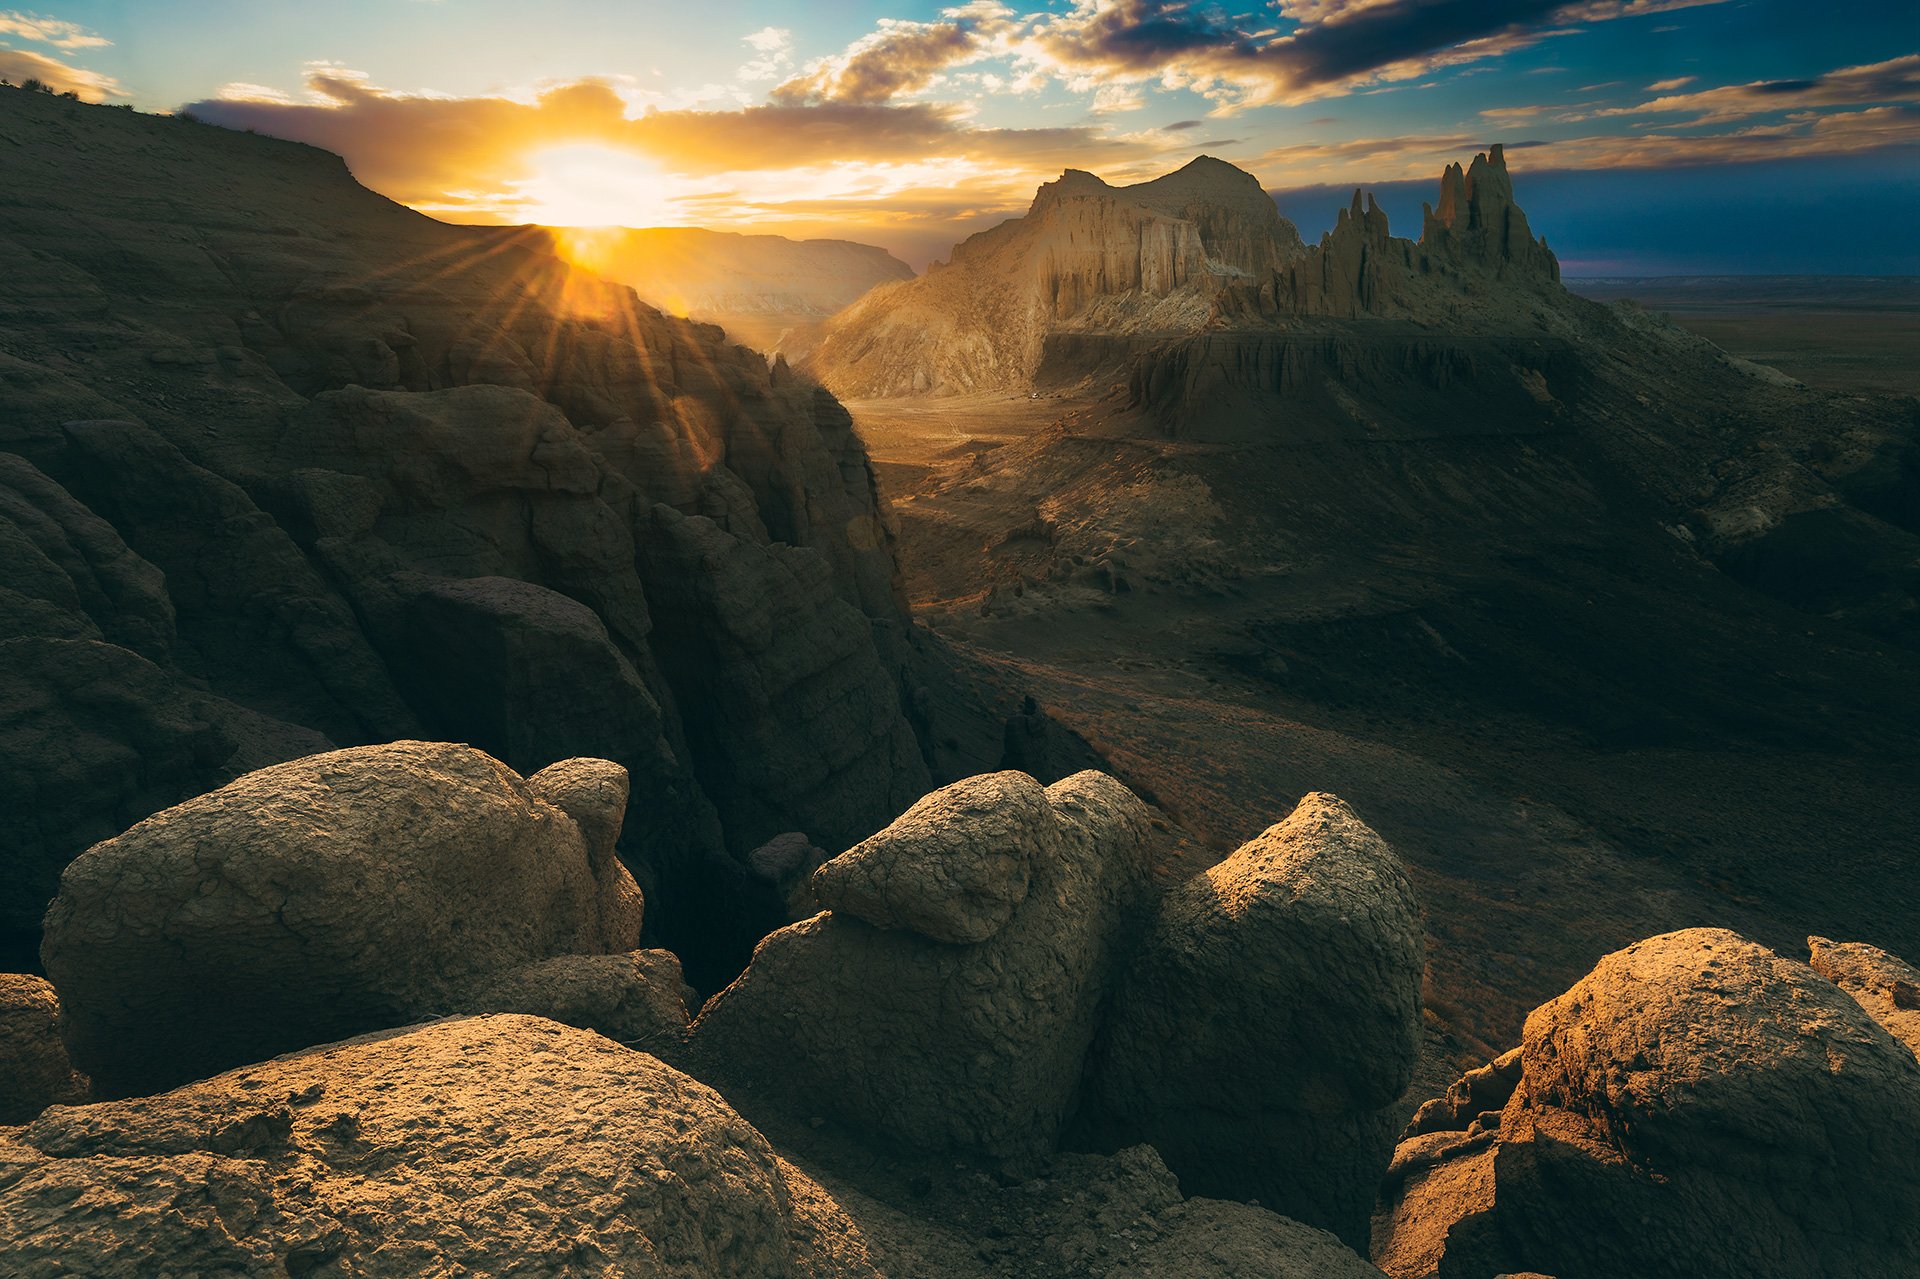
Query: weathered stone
[[335, 894], [1694, 1106], [34, 1070], [954, 868], [976, 1045], [1886, 986], [637, 999], [1271, 1020], [490, 1145]]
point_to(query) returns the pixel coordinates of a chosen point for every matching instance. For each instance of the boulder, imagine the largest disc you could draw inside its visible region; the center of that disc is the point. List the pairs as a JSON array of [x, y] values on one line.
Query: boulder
[[638, 999], [327, 896], [784, 867], [1886, 986], [34, 1070], [1271, 1020], [1695, 1106], [946, 1044], [954, 868], [1121, 1216], [491, 1145]]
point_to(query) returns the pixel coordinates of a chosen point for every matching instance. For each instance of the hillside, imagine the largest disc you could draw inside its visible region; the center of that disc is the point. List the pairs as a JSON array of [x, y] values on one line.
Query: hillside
[[289, 466], [767, 291]]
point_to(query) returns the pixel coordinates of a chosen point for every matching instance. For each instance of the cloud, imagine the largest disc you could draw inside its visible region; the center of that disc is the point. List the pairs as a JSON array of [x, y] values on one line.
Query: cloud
[[418, 148], [775, 47], [899, 57], [21, 65], [53, 31], [1364, 161], [1896, 80], [1667, 86], [1331, 47]]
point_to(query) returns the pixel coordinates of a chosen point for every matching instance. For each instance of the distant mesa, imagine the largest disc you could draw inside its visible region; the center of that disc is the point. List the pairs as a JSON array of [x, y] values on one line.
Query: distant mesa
[[1093, 271], [760, 288]]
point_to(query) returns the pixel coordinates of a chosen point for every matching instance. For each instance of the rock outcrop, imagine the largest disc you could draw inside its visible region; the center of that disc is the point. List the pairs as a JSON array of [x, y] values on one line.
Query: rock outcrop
[[949, 993], [1122, 1217], [1095, 278], [1271, 1021], [336, 894], [1885, 985], [1695, 1106], [305, 469], [638, 999], [473, 1146], [34, 1069], [1086, 257]]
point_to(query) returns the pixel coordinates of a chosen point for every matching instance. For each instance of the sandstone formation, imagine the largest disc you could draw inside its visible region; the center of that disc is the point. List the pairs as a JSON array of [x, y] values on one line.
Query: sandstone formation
[[962, 1021], [638, 999], [1096, 277], [1695, 1106], [493, 1145], [339, 893], [1122, 1217], [1086, 257], [1271, 1020], [285, 466], [34, 1070], [1886, 986]]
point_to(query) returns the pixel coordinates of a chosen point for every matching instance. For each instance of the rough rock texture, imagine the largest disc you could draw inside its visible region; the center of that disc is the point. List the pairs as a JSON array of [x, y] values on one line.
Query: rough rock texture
[[784, 865], [335, 894], [1696, 1106], [337, 473], [493, 1145], [34, 1070], [1886, 986], [1271, 1019], [1086, 257], [954, 867], [940, 1043], [637, 999], [1122, 1217], [1095, 276]]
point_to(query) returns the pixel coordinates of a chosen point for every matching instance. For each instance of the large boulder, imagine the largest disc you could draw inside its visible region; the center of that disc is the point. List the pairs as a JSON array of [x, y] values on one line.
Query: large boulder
[[331, 895], [637, 999], [1887, 986], [1271, 1020], [34, 1070], [495, 1145], [975, 1044], [1695, 1106], [1121, 1216]]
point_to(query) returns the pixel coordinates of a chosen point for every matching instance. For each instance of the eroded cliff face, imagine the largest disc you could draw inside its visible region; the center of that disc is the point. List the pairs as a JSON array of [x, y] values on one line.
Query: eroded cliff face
[[322, 471], [1087, 257]]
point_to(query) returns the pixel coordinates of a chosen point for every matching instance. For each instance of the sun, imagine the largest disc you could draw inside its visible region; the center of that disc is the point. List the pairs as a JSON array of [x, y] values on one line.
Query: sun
[[587, 184]]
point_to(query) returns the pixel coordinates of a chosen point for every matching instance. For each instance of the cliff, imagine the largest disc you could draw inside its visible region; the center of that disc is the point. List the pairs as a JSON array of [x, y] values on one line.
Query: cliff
[[1087, 256], [286, 466]]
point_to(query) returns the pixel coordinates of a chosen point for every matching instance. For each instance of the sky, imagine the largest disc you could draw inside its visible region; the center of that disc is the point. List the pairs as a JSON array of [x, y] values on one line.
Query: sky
[[1646, 136]]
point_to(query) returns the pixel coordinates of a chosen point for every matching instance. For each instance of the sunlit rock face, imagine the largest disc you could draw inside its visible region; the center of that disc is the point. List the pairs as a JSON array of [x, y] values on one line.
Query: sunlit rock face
[[469, 1146], [1696, 1105], [1127, 268], [334, 894], [322, 471], [1087, 256]]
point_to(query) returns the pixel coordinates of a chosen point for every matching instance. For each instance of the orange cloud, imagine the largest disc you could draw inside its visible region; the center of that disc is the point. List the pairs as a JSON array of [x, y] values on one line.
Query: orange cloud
[[22, 65]]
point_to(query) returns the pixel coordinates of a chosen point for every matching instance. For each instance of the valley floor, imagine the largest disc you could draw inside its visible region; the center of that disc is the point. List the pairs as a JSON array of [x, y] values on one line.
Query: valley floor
[[1545, 818]]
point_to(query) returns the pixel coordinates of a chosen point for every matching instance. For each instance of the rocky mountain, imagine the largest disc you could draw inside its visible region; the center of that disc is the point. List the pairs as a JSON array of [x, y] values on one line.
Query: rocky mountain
[[1087, 257], [767, 291], [285, 466]]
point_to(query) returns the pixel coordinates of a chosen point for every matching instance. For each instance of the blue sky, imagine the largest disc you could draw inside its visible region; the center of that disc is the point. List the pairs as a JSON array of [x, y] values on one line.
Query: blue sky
[[1647, 136]]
